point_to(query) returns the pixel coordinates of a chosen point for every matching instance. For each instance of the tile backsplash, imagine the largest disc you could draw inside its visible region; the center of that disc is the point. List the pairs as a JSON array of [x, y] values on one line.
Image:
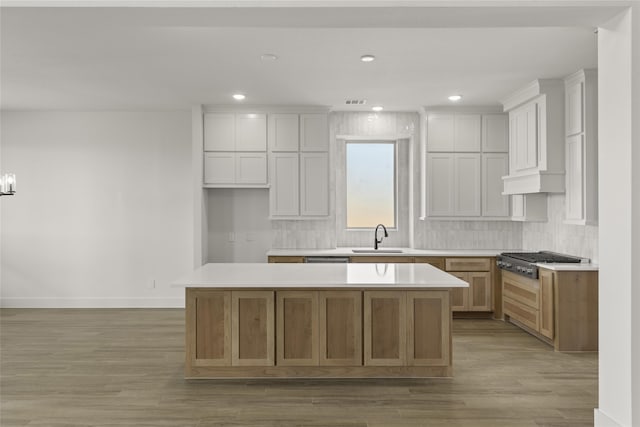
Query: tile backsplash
[[556, 236]]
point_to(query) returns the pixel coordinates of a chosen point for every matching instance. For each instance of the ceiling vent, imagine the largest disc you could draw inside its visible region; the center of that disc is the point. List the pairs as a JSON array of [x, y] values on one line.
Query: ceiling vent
[[356, 101]]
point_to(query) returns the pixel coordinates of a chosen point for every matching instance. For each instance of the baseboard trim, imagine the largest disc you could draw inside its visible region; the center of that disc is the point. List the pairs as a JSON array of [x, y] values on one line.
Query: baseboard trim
[[109, 302], [600, 419]]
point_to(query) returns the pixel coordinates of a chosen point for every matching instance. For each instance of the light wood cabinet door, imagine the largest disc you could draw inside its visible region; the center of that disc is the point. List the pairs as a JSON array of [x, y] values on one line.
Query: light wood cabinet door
[[284, 194], [546, 279], [435, 261], [385, 333], [459, 296], [251, 132], [283, 132], [219, 132], [297, 328], [480, 295], [428, 326], [340, 321], [208, 328], [495, 137], [252, 328], [314, 184], [314, 132]]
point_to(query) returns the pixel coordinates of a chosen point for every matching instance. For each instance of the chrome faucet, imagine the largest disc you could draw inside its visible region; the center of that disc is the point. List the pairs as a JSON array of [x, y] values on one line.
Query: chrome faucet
[[376, 242]]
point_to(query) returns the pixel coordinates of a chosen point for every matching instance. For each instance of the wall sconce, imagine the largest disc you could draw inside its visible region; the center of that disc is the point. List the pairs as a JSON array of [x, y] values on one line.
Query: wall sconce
[[7, 184]]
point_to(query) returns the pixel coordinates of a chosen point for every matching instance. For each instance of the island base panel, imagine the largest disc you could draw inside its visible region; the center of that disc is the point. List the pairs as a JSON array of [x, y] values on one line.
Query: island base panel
[[320, 372]]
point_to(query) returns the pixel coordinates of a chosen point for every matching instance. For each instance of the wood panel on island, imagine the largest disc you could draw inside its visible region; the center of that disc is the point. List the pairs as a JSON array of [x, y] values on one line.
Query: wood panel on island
[[318, 333]]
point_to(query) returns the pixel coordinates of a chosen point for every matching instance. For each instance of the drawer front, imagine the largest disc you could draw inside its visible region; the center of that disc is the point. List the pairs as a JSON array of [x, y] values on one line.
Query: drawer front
[[526, 315], [468, 264], [522, 290]]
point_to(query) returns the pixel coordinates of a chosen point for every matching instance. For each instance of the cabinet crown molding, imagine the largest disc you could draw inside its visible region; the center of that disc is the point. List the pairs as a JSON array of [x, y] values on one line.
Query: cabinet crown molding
[[530, 91], [581, 74]]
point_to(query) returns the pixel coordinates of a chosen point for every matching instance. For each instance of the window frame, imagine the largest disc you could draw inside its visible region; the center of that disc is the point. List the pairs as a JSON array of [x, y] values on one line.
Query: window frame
[[394, 143]]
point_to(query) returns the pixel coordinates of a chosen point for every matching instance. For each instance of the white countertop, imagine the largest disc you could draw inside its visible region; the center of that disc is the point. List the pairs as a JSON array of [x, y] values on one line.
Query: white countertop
[[264, 275], [569, 266], [405, 252]]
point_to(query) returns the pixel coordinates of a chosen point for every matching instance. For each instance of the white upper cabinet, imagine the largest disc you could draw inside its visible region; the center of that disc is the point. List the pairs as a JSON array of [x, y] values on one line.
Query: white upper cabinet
[[466, 160], [314, 132], [284, 194], [494, 167], [299, 167], [314, 184], [440, 132], [466, 130], [529, 207], [284, 132], [581, 132], [251, 132], [235, 150], [536, 138], [219, 132], [453, 132], [440, 184], [466, 184], [495, 135]]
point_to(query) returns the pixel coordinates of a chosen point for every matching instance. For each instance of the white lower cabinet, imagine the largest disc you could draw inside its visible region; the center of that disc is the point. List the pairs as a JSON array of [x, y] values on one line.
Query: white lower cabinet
[[229, 169], [299, 185]]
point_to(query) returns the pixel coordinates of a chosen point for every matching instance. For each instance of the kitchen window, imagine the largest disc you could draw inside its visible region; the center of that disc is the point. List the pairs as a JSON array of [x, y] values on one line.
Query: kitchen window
[[371, 179]]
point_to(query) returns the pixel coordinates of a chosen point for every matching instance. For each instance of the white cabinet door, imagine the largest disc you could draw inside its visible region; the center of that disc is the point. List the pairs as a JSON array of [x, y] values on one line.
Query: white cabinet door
[[284, 192], [494, 167], [251, 168], [314, 132], [495, 138], [575, 178], [219, 132], [574, 101], [467, 184], [251, 132], [466, 132], [440, 184], [525, 134], [440, 132], [283, 132], [314, 184], [219, 168]]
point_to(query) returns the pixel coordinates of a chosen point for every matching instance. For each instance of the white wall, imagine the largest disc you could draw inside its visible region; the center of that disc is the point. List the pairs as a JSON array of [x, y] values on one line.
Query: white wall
[[554, 235], [619, 207], [103, 208]]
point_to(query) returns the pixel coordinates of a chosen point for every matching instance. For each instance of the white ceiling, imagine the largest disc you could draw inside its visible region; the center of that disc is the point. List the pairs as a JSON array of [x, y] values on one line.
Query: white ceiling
[[151, 58]]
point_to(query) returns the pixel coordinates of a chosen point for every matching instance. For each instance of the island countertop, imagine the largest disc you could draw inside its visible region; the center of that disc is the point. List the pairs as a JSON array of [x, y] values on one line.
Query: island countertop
[[343, 276]]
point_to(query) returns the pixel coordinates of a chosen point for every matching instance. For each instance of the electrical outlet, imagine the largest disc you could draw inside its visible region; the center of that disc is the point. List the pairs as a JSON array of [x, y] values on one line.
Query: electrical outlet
[[151, 284], [232, 236]]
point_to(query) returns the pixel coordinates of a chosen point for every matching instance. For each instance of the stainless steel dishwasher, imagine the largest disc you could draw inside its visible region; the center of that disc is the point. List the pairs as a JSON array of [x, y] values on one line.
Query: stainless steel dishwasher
[[326, 259]]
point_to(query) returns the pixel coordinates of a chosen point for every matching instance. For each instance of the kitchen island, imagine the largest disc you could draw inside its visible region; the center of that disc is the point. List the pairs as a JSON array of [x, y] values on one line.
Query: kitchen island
[[318, 320]]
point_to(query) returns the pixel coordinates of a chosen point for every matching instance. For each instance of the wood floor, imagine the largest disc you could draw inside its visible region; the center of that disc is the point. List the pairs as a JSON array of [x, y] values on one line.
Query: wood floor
[[124, 367]]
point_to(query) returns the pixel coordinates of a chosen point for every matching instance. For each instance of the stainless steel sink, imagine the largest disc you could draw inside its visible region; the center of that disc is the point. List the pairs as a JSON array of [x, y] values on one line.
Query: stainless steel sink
[[377, 251]]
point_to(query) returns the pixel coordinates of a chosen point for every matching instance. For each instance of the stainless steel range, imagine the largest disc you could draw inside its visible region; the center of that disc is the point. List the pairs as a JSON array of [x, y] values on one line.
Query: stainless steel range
[[524, 263]]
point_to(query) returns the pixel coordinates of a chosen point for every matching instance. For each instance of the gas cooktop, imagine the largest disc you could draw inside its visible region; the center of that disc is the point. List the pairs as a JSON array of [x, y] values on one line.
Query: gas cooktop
[[524, 263]]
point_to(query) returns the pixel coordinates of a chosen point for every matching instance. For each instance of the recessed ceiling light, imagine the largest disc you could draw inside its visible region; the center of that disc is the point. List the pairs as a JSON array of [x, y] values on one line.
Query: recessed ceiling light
[[377, 108], [367, 58], [455, 98], [238, 96], [268, 57]]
